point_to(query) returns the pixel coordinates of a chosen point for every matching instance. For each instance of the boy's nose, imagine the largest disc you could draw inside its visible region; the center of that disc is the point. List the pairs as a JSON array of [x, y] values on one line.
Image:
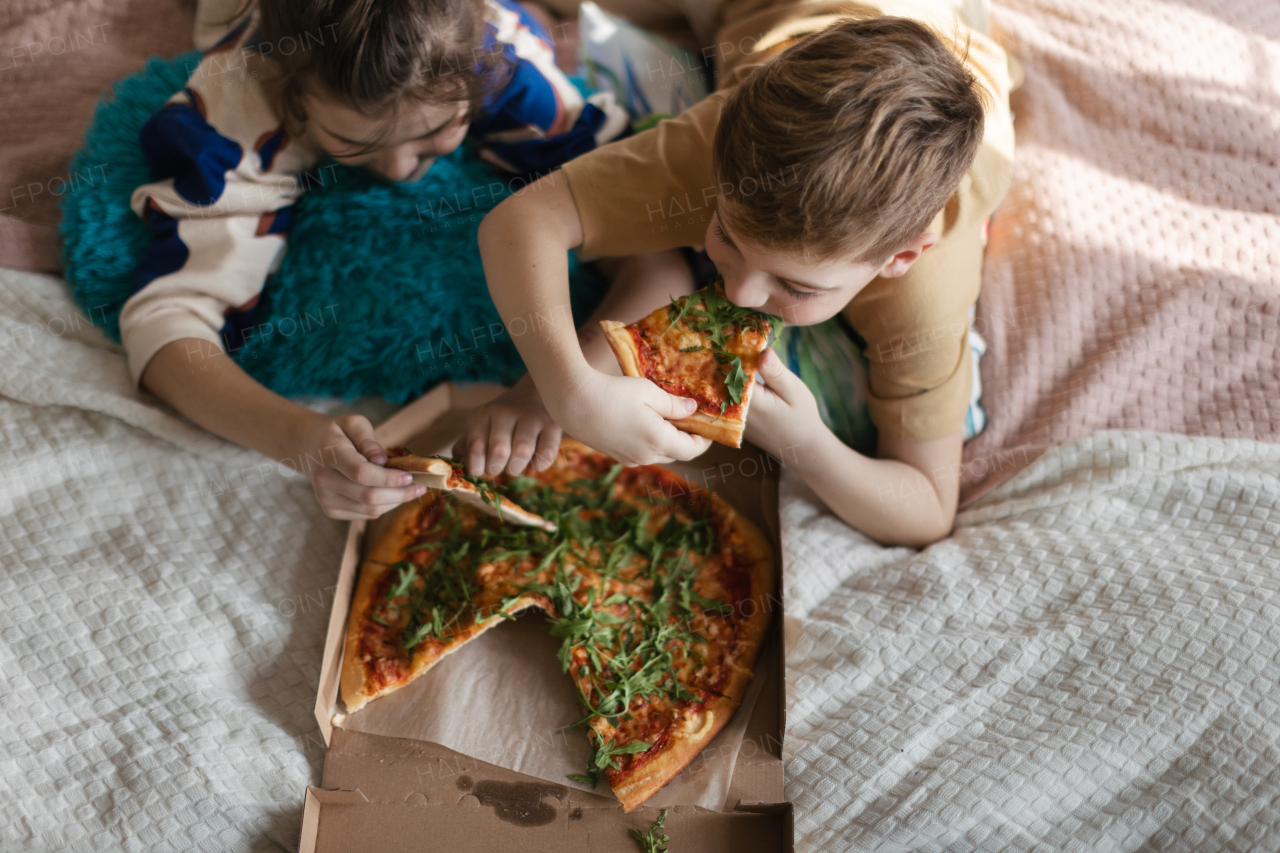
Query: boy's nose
[[745, 290]]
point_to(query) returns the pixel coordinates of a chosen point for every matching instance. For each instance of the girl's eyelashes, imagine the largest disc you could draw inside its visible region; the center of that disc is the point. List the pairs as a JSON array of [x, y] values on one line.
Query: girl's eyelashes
[[354, 155], [720, 232]]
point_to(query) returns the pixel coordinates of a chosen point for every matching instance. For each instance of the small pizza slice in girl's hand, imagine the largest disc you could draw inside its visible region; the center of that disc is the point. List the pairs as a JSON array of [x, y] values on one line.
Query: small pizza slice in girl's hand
[[445, 475], [700, 346]]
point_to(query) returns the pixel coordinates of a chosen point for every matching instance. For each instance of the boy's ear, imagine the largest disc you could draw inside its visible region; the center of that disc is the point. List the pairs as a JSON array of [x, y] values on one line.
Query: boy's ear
[[902, 260]]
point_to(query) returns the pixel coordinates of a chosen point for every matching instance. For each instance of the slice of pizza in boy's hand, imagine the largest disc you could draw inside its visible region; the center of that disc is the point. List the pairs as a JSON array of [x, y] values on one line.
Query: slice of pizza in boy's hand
[[445, 475], [700, 346]]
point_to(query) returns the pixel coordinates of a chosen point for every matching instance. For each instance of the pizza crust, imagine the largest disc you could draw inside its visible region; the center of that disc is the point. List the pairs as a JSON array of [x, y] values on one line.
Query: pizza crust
[[623, 346], [764, 579], [432, 473], [654, 775], [394, 541], [720, 429], [436, 473]]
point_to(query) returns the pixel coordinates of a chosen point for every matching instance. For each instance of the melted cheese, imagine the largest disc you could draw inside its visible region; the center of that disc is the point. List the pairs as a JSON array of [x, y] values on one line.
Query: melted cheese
[[694, 374]]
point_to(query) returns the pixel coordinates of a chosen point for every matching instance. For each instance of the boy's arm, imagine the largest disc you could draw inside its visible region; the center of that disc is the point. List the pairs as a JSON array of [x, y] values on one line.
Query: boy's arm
[[908, 497], [339, 455], [524, 243], [514, 430]]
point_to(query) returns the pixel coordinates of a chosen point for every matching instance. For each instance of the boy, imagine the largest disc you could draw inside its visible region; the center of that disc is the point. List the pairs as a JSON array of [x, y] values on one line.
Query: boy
[[845, 166], [388, 86]]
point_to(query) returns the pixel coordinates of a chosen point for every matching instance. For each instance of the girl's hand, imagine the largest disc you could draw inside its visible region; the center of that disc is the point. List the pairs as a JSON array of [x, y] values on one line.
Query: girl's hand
[[349, 479], [509, 433], [783, 417]]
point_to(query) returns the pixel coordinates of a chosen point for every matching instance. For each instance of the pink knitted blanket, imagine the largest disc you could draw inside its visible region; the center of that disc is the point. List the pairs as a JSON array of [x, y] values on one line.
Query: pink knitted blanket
[[56, 58], [1132, 274]]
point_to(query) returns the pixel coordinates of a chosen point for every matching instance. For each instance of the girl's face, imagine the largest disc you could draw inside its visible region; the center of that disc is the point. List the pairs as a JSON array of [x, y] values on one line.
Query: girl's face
[[419, 134]]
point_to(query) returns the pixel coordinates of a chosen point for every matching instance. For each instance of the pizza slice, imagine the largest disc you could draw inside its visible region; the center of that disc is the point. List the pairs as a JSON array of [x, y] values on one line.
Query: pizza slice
[[671, 652], [412, 607], [700, 346], [446, 475]]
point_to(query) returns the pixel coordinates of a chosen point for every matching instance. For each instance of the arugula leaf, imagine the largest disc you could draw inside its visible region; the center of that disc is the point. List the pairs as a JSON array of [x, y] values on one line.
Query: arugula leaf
[[681, 307], [735, 380], [710, 313], [650, 842], [605, 758], [408, 574]]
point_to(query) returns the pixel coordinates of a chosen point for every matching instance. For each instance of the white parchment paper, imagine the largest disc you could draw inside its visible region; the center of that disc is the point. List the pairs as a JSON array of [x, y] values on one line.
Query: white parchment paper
[[502, 698]]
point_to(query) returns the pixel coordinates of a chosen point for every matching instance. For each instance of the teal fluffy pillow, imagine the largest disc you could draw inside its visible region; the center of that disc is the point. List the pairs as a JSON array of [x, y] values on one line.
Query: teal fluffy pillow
[[381, 290]]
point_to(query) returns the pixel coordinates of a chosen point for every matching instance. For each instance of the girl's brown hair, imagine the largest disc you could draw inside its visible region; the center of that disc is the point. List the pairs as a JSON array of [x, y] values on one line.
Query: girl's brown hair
[[370, 55], [850, 141]]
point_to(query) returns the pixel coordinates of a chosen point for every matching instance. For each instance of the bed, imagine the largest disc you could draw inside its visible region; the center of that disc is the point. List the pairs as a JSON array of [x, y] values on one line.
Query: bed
[[1090, 662]]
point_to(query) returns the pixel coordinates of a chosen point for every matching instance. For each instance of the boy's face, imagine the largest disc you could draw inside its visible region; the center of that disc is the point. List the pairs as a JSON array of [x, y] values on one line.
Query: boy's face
[[801, 290], [418, 135]]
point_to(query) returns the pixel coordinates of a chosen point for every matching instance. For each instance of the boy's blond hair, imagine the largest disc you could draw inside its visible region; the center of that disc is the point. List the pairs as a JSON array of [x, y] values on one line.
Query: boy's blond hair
[[851, 141]]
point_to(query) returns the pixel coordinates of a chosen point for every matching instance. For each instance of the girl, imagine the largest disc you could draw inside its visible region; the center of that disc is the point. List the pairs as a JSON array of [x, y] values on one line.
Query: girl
[[388, 85]]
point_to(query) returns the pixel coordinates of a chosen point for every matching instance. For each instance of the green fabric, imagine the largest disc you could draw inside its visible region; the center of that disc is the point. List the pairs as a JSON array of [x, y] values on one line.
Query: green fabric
[[835, 370], [830, 361]]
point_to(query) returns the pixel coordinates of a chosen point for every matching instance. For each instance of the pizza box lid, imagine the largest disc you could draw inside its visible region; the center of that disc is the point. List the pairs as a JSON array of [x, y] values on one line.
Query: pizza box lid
[[390, 794]]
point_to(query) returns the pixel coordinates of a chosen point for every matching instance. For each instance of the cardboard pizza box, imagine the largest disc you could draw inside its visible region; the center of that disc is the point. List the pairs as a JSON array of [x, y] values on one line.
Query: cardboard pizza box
[[397, 794]]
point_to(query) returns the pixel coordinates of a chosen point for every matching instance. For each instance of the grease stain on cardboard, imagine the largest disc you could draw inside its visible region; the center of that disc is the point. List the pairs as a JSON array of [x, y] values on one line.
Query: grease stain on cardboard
[[518, 803]]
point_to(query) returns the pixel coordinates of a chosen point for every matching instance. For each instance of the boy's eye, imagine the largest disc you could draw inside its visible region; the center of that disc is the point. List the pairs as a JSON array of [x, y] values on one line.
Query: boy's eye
[[796, 294], [720, 233]]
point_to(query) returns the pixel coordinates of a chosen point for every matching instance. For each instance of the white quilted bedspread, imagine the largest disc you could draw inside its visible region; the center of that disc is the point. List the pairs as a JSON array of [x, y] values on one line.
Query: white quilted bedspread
[[164, 607], [1090, 663]]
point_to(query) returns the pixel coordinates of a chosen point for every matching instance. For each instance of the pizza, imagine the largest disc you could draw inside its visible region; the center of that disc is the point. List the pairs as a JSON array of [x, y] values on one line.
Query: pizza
[[446, 475], [660, 592], [700, 346]]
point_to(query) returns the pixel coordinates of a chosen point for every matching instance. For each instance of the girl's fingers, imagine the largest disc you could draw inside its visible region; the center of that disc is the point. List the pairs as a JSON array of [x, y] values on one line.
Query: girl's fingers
[[548, 447], [360, 431], [523, 445], [669, 406], [369, 496], [502, 423], [354, 468], [477, 440], [346, 509]]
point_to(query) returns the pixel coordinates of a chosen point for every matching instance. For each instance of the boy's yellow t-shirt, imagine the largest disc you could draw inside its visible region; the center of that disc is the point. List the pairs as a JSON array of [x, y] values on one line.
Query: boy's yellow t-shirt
[[655, 191]]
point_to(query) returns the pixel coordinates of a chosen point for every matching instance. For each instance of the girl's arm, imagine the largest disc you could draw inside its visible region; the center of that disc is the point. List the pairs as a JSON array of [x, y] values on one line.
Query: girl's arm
[[908, 497], [339, 455]]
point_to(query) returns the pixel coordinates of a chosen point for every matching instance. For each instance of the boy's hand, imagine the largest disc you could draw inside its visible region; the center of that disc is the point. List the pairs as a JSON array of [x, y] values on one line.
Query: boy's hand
[[509, 433], [783, 417], [630, 419], [351, 481]]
